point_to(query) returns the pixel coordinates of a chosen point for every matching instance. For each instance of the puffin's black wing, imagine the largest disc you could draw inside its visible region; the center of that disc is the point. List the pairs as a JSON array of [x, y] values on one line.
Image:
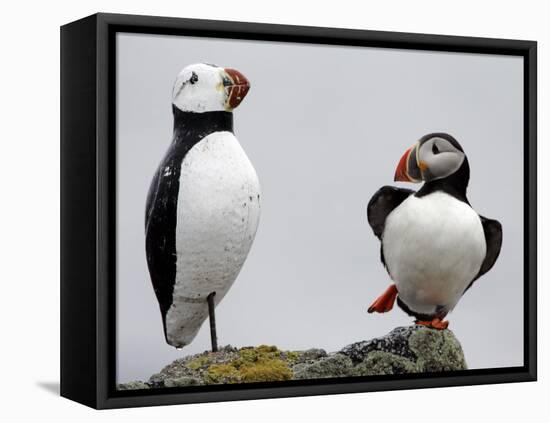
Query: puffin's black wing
[[493, 239], [382, 203]]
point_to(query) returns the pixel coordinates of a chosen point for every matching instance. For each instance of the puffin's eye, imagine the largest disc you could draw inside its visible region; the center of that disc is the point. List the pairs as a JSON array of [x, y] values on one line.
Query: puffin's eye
[[435, 150], [194, 78]]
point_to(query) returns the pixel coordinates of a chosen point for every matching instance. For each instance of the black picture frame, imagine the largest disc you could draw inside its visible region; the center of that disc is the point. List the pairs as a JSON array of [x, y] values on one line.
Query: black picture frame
[[88, 208]]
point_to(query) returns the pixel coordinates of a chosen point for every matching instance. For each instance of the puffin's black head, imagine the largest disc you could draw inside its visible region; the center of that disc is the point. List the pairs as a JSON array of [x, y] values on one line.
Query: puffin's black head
[[434, 157]]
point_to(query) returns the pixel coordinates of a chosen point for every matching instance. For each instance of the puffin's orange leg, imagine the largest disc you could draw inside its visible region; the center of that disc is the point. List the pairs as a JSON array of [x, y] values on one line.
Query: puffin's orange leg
[[436, 323], [385, 301]]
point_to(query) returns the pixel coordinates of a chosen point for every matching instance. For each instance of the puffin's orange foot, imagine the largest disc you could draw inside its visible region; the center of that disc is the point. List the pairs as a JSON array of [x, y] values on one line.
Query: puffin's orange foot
[[436, 323], [385, 301]]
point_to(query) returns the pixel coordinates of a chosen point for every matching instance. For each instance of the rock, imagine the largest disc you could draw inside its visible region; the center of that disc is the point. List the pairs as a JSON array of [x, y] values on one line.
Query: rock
[[412, 349], [313, 354], [182, 381], [335, 365], [132, 386], [395, 342], [436, 350], [385, 363]]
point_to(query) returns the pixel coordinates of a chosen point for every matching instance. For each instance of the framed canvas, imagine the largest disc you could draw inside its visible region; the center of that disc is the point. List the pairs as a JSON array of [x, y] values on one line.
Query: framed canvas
[[240, 220]]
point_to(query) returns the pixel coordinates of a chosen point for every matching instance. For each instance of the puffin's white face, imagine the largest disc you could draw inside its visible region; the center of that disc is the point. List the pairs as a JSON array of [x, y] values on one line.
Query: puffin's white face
[[434, 156], [208, 88]]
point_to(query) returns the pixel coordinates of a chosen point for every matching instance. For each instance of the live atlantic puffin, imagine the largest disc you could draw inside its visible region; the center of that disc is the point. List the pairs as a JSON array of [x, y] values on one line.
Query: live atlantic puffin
[[433, 244], [203, 205]]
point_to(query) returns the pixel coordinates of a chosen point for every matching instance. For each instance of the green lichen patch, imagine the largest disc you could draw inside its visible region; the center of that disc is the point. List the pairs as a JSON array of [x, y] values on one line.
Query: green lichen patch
[[437, 350], [292, 356], [199, 362], [336, 365], [385, 363]]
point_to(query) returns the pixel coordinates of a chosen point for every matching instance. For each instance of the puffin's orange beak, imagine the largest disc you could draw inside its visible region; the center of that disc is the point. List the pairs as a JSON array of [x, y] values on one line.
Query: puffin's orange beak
[[401, 173], [237, 87]]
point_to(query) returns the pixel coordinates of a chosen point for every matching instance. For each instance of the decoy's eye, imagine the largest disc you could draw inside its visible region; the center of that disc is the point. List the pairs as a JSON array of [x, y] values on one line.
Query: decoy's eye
[[435, 150], [194, 78], [227, 82]]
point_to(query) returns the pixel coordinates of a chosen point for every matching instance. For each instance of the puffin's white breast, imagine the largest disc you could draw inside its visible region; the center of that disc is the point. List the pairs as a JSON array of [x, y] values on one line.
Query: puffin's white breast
[[217, 216], [434, 247]]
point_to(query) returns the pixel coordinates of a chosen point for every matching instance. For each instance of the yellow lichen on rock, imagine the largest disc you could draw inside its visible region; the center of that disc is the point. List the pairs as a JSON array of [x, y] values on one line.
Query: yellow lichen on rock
[[252, 364], [222, 373], [198, 362], [265, 371]]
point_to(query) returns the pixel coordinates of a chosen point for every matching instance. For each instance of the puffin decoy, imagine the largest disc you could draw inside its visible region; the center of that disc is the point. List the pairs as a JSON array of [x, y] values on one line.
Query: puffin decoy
[[433, 243], [203, 205]]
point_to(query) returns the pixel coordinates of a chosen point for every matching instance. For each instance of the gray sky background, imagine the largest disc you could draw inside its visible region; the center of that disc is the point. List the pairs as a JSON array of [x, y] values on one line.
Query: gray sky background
[[324, 126]]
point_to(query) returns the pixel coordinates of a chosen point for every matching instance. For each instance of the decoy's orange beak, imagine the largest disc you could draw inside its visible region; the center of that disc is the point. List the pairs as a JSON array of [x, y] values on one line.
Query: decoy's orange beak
[[237, 87]]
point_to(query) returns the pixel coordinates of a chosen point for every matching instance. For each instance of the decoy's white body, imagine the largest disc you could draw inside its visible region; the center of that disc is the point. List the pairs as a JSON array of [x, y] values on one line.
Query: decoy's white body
[[218, 213], [203, 205]]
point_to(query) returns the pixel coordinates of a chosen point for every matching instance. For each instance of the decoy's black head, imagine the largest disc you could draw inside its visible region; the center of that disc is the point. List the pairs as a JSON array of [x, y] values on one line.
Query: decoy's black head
[[209, 88], [434, 157]]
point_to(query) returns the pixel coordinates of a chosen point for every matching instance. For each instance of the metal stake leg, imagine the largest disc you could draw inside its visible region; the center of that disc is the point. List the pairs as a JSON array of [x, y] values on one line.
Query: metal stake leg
[[212, 318]]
